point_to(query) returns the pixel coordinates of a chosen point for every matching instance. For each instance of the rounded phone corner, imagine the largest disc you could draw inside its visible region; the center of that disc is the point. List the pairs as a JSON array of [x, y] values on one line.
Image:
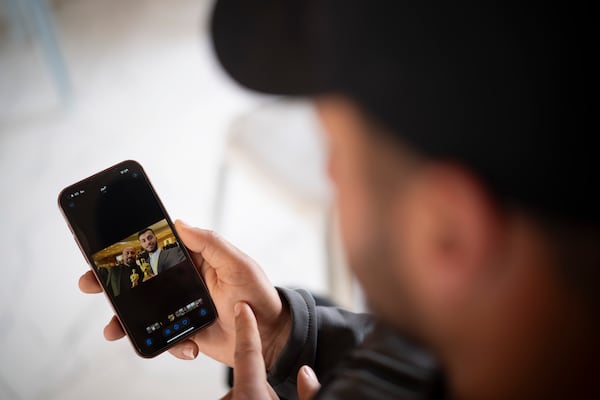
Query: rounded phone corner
[[148, 355]]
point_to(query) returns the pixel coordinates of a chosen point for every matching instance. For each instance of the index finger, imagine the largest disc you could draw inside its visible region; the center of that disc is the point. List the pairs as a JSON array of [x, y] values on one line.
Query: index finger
[[249, 374]]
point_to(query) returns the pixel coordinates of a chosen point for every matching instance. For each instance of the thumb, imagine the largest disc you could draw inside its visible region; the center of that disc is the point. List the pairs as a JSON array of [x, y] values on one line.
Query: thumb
[[212, 248], [308, 384]]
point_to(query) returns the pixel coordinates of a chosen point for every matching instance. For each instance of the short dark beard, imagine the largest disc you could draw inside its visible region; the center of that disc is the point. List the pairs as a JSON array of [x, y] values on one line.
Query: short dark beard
[[389, 167], [392, 304]]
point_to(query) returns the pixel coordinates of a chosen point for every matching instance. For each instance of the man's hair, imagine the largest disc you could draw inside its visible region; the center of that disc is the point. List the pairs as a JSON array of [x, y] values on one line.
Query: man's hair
[[140, 233]]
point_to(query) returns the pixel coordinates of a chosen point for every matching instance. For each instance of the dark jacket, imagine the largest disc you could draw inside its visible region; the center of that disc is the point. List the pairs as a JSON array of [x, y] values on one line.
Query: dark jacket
[[168, 258], [354, 357], [118, 279]]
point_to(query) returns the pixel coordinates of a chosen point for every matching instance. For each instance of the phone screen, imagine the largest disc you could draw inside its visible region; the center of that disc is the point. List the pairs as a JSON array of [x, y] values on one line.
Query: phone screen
[[130, 242]]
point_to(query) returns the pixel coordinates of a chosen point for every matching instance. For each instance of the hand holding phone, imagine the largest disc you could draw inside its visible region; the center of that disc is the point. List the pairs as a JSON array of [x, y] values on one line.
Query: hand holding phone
[[231, 276], [123, 196], [135, 253]]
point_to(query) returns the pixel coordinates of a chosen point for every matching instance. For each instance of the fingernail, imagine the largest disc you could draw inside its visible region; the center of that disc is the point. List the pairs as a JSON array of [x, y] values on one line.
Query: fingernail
[[183, 223], [306, 370], [237, 309], [188, 353]]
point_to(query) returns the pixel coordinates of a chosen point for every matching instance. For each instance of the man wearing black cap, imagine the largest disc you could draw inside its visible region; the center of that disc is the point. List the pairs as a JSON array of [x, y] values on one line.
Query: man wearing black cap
[[460, 151]]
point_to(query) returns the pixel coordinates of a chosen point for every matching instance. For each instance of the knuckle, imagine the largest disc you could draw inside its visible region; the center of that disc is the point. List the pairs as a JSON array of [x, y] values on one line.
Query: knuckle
[[212, 236], [245, 351]]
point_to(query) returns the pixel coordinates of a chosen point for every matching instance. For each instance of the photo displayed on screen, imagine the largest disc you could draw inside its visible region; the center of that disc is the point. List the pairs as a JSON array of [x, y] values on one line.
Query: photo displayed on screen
[[138, 258]]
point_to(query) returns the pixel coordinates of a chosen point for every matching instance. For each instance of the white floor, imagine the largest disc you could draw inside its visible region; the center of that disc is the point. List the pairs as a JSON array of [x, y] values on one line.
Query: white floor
[[147, 87]]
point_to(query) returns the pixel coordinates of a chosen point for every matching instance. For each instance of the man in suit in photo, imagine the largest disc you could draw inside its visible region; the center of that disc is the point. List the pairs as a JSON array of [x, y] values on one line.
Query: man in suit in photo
[[159, 259]]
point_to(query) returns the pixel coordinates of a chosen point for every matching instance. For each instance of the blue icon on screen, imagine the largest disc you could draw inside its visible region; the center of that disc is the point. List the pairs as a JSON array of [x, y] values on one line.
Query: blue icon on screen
[[176, 327], [148, 342], [167, 331], [185, 321], [203, 312]]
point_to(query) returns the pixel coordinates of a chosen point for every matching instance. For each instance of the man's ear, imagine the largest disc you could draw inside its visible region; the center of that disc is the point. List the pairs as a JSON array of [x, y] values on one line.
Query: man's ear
[[448, 227]]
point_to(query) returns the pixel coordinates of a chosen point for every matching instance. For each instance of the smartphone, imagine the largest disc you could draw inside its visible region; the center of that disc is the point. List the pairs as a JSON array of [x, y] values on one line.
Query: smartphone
[[130, 242]]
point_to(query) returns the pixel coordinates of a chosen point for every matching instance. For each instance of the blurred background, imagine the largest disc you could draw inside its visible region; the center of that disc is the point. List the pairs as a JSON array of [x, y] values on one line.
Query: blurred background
[[85, 84]]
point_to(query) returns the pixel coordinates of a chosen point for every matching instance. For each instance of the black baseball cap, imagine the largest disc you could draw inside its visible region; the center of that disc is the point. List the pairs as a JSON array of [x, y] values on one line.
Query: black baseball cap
[[503, 88]]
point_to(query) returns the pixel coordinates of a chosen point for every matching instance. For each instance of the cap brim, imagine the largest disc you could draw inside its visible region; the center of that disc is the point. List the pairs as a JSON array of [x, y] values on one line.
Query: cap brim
[[270, 51]]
